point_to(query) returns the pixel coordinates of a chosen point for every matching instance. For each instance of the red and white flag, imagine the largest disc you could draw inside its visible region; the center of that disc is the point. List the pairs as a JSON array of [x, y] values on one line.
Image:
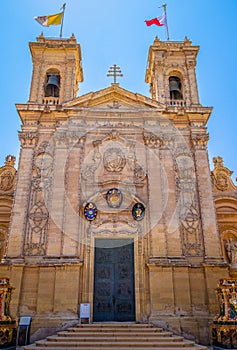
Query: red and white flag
[[159, 21]]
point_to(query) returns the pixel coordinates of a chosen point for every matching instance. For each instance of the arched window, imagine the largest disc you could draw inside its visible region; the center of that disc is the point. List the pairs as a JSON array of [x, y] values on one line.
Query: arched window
[[52, 83], [175, 87]]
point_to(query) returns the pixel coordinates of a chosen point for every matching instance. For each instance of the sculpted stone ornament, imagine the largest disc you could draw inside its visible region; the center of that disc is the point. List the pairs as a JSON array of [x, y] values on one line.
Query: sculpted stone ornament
[[8, 174], [231, 250], [221, 176], [10, 160], [200, 141], [221, 182], [114, 159], [28, 139], [151, 140], [6, 180], [139, 173]]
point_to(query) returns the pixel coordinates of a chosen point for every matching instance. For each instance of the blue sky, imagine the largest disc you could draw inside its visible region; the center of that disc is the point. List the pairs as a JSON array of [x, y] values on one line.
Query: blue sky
[[111, 32]]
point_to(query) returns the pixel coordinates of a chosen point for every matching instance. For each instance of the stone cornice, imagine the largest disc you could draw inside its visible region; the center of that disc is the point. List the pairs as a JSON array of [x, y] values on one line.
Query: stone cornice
[[36, 113]]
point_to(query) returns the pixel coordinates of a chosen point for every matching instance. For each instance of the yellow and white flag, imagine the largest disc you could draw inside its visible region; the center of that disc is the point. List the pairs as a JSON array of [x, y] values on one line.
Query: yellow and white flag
[[50, 20]]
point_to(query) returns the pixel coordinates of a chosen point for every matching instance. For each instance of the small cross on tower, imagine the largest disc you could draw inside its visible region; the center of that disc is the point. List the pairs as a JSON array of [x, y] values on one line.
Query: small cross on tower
[[114, 71]]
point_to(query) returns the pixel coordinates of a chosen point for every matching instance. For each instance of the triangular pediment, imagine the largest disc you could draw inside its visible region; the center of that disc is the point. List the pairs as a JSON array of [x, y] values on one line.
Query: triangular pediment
[[113, 97]]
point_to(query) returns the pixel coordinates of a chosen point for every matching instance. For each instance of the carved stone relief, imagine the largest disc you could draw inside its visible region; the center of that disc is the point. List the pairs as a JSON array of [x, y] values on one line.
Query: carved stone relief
[[6, 180], [230, 245], [37, 217], [8, 175], [200, 141], [114, 156], [228, 237], [88, 170], [189, 216], [190, 229], [114, 159], [28, 139], [221, 176]]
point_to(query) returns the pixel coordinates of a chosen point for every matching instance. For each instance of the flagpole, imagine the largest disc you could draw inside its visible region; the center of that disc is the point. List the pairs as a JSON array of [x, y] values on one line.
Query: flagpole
[[166, 25], [61, 29]]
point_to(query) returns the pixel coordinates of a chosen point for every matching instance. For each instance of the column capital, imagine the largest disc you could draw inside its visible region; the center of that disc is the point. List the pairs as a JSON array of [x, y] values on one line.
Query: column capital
[[200, 141], [28, 139], [151, 140]]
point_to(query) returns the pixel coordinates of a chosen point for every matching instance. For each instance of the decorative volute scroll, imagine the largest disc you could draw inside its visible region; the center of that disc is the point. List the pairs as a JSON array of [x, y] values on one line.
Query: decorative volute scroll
[[222, 177]]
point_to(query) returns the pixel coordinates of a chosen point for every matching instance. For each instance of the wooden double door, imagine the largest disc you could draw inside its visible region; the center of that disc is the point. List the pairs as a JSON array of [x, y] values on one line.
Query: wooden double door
[[114, 292]]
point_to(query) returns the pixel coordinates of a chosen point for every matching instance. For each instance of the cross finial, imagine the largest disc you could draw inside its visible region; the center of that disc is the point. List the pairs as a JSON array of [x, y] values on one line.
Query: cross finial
[[114, 71]]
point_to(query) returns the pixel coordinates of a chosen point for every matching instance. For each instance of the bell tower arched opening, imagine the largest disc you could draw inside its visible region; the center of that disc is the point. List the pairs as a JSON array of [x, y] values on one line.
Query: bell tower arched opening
[[52, 83]]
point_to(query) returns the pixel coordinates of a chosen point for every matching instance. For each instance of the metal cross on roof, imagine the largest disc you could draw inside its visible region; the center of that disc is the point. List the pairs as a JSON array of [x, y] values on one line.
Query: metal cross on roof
[[114, 71]]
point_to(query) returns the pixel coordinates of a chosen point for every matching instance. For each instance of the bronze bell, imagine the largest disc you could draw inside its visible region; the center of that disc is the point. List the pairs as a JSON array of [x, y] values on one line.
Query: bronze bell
[[175, 88], [52, 86], [174, 85]]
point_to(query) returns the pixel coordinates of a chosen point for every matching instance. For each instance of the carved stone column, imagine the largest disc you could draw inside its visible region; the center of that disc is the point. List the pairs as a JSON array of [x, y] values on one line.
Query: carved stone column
[[207, 208], [17, 229]]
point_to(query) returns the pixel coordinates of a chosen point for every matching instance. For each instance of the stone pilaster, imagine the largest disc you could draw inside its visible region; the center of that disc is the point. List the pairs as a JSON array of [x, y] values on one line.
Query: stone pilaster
[[72, 186], [34, 90], [56, 212], [207, 208], [156, 200], [193, 83], [171, 218], [18, 223]]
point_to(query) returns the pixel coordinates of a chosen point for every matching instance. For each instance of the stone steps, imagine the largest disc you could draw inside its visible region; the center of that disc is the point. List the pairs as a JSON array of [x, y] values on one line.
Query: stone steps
[[117, 336]]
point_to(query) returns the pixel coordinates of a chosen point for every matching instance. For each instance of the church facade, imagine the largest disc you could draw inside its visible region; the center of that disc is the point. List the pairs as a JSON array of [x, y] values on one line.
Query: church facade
[[113, 203]]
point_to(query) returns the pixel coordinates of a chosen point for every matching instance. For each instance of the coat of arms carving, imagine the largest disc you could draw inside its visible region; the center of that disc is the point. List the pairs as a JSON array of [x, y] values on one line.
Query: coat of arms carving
[[114, 159]]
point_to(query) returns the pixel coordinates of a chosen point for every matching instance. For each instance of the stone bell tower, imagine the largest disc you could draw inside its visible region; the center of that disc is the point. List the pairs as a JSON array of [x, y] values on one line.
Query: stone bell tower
[[57, 70], [171, 72]]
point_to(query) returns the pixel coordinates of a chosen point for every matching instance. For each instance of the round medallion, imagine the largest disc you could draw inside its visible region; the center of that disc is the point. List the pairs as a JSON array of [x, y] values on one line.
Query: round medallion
[[90, 211], [138, 211], [114, 198]]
